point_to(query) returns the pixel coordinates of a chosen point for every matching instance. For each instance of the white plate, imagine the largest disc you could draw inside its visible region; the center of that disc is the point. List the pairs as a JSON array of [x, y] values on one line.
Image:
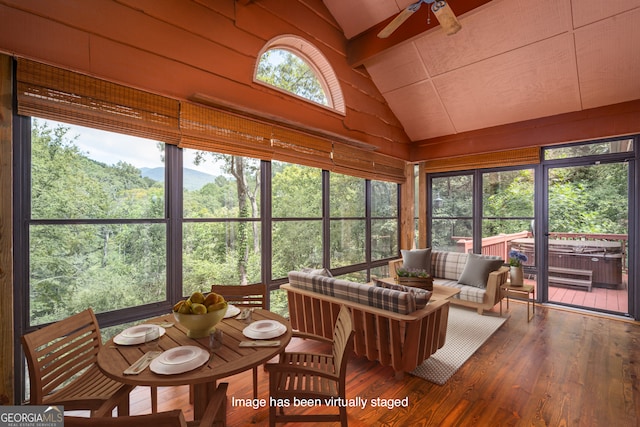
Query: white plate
[[134, 335], [264, 326], [179, 355], [264, 330], [179, 359], [232, 311]]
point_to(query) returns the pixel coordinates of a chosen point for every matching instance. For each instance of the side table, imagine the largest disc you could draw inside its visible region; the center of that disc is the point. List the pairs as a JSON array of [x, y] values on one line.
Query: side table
[[523, 291]]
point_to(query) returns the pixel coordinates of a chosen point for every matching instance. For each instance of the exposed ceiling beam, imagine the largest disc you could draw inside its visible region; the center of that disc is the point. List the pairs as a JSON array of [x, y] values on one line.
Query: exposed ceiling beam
[[367, 44]]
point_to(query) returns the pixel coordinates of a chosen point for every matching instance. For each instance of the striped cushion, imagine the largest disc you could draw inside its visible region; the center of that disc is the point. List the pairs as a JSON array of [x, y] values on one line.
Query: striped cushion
[[467, 293], [373, 296]]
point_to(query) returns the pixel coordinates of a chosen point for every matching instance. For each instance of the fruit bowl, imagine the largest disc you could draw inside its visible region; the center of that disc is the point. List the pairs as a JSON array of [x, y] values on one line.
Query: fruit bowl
[[200, 325]]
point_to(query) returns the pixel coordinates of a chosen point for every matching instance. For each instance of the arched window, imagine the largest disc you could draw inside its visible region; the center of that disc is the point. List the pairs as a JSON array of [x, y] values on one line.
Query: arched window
[[294, 65]]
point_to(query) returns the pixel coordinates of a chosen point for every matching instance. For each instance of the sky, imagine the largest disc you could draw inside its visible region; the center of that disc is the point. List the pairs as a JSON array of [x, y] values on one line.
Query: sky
[[111, 148]]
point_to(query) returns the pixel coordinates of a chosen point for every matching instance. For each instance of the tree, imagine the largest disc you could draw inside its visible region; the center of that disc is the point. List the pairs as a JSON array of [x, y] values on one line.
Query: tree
[[81, 250], [246, 179], [283, 69]]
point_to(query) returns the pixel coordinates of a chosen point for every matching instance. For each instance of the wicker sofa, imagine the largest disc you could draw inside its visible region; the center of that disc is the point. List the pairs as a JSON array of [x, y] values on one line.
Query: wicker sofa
[[386, 330], [447, 268]]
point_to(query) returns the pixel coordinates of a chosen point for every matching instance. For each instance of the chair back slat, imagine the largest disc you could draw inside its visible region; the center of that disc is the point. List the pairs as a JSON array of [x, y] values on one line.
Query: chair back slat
[[243, 296], [57, 352], [342, 342], [68, 354]]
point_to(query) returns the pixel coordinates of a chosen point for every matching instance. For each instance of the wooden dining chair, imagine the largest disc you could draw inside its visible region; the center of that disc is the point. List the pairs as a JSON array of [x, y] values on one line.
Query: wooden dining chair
[[215, 415], [313, 375], [62, 365], [245, 297]]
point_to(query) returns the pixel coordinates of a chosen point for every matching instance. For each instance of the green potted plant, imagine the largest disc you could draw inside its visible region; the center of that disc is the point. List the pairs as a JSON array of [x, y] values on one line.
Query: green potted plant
[[416, 278]]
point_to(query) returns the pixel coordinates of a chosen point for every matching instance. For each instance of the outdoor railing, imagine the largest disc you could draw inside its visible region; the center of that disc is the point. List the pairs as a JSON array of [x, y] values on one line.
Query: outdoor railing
[[493, 245], [500, 245]]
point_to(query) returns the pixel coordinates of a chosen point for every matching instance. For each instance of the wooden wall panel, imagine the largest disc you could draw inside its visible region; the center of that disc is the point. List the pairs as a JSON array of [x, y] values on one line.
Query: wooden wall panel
[[180, 48], [288, 15], [361, 95], [6, 234], [53, 49], [603, 122], [203, 20], [408, 213]]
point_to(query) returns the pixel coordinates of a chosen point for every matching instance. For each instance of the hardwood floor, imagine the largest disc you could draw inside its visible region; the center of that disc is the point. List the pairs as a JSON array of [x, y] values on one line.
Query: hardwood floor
[[561, 369]]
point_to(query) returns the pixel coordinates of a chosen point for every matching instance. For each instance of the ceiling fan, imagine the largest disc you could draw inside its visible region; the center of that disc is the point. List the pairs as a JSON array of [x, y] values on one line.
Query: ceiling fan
[[440, 9]]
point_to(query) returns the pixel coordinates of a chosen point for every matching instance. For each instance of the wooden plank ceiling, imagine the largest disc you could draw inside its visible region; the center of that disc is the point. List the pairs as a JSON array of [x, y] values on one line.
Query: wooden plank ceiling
[[513, 60]]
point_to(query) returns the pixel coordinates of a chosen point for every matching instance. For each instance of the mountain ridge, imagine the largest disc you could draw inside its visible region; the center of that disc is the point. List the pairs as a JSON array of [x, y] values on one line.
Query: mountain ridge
[[193, 179]]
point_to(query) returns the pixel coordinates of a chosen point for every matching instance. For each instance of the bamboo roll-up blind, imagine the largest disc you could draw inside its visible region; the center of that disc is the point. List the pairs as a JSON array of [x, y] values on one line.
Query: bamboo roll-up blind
[[349, 160], [54, 93], [367, 164], [524, 156], [218, 131], [389, 168], [301, 148], [57, 94]]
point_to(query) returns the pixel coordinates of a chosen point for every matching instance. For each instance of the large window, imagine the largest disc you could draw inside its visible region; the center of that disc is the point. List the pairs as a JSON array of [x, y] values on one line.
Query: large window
[[97, 230], [499, 204], [297, 218], [452, 211], [221, 229], [348, 220], [503, 210], [508, 211], [112, 227], [384, 220]]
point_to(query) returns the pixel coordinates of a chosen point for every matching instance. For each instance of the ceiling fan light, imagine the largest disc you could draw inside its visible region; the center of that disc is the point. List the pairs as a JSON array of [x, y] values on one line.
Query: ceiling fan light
[[444, 14]]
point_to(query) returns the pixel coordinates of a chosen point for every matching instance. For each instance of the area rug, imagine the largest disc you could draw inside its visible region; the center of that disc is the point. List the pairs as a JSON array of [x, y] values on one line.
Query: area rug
[[466, 332]]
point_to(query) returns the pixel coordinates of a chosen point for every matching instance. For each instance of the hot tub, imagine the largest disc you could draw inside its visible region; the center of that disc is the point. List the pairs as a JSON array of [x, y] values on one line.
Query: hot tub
[[602, 258]]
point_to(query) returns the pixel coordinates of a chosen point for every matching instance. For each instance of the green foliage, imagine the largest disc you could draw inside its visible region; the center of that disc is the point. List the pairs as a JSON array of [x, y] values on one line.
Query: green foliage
[[296, 192], [589, 199], [347, 196], [582, 199], [101, 265], [283, 69]]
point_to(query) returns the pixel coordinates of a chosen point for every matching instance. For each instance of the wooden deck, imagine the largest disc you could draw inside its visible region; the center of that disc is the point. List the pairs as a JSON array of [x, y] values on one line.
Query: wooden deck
[[562, 368], [612, 300]]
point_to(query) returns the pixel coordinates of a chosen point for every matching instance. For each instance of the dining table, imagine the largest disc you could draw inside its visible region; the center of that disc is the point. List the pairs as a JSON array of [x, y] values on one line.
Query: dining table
[[230, 359]]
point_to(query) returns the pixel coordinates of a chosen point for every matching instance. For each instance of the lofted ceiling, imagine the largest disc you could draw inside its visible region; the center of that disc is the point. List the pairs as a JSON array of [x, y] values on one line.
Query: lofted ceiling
[[513, 60]]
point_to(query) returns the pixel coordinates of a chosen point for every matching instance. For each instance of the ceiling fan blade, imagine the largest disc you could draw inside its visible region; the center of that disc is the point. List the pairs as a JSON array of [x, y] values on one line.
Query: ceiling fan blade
[[445, 16], [398, 20]]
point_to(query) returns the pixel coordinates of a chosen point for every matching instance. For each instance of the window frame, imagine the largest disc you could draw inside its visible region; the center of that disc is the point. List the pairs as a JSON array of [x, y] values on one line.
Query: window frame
[[173, 218], [318, 63]]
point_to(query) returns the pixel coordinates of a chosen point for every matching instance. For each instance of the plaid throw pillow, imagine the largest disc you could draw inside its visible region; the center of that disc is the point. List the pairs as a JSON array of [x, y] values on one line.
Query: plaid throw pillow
[[422, 296]]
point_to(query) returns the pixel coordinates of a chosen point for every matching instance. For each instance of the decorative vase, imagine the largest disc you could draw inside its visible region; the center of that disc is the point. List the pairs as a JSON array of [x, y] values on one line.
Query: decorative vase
[[516, 276]]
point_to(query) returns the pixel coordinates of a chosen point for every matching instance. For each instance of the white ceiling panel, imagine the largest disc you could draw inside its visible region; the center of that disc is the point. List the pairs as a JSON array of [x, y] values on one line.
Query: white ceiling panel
[[608, 55], [420, 111], [397, 68], [513, 60], [534, 81], [590, 11], [500, 27]]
